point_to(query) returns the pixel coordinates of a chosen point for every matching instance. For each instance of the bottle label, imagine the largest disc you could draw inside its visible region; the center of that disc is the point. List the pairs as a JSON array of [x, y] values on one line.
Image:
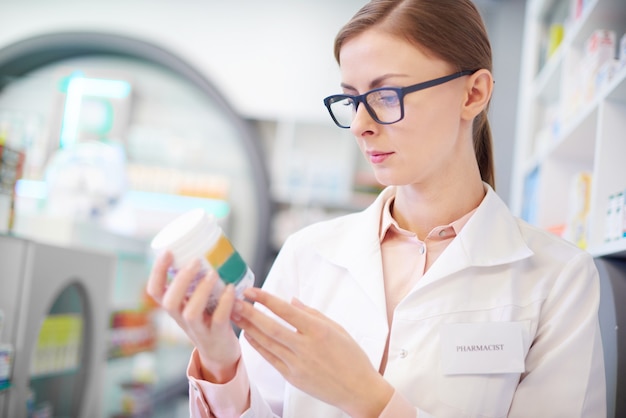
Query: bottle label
[[226, 261]]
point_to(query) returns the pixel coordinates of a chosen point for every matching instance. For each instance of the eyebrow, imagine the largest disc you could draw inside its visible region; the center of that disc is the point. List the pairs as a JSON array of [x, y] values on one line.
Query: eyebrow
[[377, 82]]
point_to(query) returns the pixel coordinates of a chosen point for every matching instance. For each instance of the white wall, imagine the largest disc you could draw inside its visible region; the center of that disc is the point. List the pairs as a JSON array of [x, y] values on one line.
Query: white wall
[[505, 24]]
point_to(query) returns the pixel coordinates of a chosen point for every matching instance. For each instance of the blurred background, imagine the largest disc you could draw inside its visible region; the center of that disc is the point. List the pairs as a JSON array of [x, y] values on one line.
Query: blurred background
[[116, 117]]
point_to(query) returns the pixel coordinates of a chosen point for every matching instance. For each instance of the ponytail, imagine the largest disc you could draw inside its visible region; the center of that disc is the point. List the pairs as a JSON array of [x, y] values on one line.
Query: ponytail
[[483, 149]]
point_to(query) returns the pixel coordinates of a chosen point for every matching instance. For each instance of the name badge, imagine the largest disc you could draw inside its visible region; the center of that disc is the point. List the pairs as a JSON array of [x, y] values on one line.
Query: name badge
[[482, 348]]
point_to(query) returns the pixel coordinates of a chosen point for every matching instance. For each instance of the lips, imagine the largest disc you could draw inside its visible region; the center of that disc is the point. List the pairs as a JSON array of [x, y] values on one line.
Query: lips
[[377, 157]]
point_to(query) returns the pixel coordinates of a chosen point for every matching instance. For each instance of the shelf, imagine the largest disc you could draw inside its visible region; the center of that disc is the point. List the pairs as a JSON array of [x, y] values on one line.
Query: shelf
[[546, 84], [575, 141], [616, 89], [572, 126], [574, 33], [55, 374]]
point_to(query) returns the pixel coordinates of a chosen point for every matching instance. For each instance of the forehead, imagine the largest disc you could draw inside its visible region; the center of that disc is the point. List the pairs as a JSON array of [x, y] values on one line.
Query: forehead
[[374, 53]]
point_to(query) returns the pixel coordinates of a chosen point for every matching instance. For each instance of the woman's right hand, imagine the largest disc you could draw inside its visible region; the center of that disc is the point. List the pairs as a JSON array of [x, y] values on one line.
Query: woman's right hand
[[212, 335]]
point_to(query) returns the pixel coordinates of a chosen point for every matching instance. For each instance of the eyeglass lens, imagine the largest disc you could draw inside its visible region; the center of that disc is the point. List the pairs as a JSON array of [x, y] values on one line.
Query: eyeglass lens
[[383, 105]]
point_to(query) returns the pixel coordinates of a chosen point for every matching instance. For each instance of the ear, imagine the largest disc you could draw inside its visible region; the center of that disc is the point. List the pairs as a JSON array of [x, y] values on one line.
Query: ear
[[479, 87]]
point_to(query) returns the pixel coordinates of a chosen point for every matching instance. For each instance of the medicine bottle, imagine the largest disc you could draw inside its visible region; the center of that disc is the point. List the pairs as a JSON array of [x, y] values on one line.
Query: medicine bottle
[[197, 235]]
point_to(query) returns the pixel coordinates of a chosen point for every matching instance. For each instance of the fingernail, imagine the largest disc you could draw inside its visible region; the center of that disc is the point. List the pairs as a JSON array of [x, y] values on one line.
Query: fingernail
[[164, 257], [250, 293], [193, 265], [210, 275], [235, 315]]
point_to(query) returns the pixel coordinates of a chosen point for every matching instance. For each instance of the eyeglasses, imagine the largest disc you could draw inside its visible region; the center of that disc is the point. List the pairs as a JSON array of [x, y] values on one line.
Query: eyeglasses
[[385, 105]]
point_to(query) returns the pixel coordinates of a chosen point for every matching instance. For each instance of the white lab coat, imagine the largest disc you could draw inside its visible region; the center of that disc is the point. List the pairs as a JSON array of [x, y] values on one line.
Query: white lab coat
[[498, 269]]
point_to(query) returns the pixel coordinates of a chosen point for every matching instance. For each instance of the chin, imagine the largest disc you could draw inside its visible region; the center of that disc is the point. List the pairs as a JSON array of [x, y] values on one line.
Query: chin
[[389, 180], [384, 182]]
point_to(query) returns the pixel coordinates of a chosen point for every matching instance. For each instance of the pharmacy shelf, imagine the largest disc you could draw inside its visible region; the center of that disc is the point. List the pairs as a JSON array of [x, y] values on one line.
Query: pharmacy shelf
[[568, 168], [567, 126]]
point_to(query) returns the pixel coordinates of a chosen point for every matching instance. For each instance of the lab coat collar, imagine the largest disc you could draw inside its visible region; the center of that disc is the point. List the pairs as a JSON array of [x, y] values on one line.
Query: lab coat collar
[[490, 237]]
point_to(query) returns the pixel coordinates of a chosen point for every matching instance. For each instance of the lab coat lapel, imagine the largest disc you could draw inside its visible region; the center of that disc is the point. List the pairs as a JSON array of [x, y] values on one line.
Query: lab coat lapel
[[356, 247], [491, 237]]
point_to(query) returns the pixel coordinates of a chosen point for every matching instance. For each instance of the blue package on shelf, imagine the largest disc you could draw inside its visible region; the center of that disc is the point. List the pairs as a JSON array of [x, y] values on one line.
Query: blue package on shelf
[[529, 201]]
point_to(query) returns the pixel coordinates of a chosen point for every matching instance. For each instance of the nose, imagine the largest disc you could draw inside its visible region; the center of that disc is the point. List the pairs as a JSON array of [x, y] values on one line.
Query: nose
[[362, 120]]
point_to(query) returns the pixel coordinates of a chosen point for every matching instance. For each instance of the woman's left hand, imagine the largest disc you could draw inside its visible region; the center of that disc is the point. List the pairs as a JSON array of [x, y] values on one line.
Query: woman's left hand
[[317, 355]]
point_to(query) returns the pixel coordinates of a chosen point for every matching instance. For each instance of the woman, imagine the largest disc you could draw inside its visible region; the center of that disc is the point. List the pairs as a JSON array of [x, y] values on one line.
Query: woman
[[435, 300]]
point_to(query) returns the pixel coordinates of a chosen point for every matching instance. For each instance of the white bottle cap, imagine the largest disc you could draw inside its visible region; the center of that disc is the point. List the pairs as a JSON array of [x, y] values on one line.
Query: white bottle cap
[[187, 237]]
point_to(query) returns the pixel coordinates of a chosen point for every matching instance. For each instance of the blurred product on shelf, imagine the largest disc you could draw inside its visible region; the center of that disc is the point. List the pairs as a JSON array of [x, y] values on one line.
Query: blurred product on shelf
[[587, 74], [530, 196], [6, 365], [598, 62], [580, 7], [137, 394], [557, 229], [136, 400], [149, 178], [615, 221], [131, 332], [11, 169], [85, 181], [24, 131], [42, 410], [556, 36], [576, 229], [58, 346]]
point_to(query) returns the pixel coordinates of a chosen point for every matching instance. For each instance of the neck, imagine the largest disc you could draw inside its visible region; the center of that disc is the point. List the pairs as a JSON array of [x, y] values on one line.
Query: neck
[[420, 208]]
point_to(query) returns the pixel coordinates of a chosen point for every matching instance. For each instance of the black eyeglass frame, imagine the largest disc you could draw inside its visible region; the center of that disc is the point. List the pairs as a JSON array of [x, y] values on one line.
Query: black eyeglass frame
[[400, 91]]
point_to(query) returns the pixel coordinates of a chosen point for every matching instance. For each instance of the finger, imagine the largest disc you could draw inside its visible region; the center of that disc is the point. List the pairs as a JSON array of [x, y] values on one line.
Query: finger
[[316, 314], [271, 358], [299, 304], [267, 331], [221, 315], [158, 276], [196, 305], [298, 318], [177, 290], [311, 311]]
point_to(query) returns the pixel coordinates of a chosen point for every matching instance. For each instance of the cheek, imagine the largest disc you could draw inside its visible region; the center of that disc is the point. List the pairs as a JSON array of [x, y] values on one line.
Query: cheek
[[425, 145], [422, 134], [435, 125], [439, 107]]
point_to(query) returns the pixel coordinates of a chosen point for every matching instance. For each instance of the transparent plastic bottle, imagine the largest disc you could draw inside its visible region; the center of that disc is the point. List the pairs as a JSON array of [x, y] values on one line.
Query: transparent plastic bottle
[[197, 235]]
